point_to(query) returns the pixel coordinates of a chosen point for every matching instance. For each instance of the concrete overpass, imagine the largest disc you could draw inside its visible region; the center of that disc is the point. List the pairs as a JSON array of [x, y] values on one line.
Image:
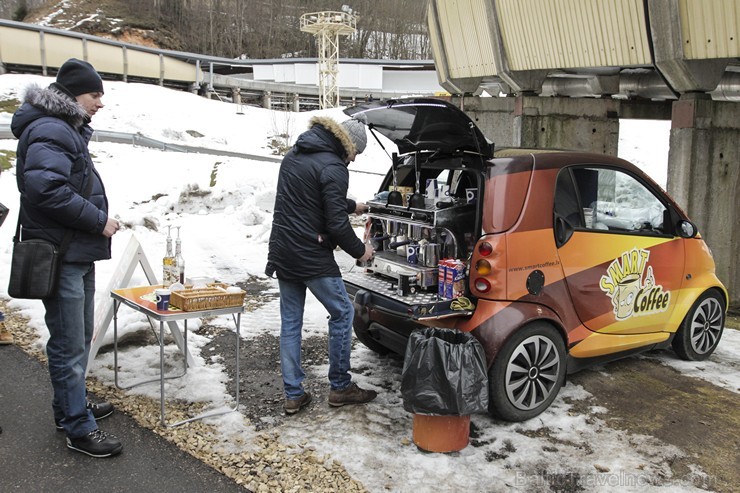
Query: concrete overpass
[[568, 70]]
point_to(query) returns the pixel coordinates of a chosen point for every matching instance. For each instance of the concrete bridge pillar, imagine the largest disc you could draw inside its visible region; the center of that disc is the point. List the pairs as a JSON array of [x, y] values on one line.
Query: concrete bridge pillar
[[296, 103], [704, 177], [236, 95], [494, 117], [267, 100], [590, 125]]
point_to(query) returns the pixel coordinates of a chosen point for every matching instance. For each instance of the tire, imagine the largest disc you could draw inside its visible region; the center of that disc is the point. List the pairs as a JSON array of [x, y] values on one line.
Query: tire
[[701, 329], [528, 373]]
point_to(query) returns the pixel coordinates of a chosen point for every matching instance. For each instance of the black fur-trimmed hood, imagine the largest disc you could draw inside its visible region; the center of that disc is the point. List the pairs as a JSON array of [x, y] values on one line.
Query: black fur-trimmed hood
[[39, 102], [337, 130], [325, 134]]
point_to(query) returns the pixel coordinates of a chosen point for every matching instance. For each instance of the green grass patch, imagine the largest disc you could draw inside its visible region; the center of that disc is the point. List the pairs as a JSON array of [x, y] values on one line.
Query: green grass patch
[[9, 105], [6, 157], [214, 174]]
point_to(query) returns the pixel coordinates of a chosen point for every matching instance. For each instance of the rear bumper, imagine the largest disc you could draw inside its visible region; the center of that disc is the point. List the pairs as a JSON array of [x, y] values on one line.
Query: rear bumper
[[388, 317], [385, 319]]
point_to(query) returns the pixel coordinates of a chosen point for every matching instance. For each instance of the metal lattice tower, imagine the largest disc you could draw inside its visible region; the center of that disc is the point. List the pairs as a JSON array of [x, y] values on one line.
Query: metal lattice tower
[[327, 27]]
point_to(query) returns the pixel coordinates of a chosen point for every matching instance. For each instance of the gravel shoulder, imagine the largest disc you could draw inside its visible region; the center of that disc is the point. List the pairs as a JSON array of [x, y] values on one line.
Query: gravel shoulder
[[645, 397], [642, 396]]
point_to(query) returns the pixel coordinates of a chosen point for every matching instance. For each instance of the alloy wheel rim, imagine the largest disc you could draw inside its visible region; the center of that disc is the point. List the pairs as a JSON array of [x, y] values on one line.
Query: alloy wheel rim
[[706, 326], [532, 372]]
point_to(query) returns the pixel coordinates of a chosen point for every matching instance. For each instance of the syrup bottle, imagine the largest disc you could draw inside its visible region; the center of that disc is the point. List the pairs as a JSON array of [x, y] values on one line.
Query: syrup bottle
[[179, 260], [168, 262]]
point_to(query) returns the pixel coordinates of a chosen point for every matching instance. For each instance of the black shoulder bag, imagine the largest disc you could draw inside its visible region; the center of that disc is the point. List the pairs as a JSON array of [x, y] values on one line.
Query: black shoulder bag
[[3, 213], [34, 269]]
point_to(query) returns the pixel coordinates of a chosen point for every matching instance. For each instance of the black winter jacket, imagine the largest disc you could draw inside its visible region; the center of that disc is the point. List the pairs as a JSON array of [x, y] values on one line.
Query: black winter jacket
[[53, 168], [311, 205]]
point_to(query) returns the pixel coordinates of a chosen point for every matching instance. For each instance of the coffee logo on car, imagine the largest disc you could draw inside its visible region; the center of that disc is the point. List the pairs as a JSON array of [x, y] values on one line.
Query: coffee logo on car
[[630, 284]]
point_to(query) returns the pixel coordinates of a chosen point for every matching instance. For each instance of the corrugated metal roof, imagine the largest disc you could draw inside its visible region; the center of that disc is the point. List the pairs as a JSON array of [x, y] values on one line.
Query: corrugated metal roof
[[435, 41], [467, 37], [552, 34], [710, 28]]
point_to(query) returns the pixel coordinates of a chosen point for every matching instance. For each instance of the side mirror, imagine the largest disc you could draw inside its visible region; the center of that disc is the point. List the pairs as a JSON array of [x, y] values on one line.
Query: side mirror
[[687, 229]]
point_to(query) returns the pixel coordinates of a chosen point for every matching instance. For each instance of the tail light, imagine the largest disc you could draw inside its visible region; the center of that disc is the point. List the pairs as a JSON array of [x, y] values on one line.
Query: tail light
[[482, 285], [488, 277], [483, 267], [485, 249]]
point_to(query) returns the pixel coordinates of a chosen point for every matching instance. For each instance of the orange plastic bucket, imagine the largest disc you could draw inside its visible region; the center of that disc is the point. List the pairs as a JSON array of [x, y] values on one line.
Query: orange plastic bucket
[[441, 433]]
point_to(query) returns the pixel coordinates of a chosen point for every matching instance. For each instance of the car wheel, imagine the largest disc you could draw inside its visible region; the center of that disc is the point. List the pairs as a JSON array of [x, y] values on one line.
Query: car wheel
[[528, 373], [701, 329]]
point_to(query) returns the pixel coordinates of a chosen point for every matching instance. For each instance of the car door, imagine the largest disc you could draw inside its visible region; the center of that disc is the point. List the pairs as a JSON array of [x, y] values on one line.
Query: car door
[[621, 261]]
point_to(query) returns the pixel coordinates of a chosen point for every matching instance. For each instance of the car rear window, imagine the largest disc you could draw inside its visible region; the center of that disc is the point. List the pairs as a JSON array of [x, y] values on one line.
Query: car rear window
[[506, 189]]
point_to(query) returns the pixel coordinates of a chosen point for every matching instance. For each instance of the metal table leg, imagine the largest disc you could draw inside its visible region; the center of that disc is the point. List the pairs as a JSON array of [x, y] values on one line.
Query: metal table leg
[[161, 376], [237, 323]]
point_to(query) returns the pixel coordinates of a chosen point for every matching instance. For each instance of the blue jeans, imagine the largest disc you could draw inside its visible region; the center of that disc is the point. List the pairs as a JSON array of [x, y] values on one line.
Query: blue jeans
[[331, 293], [70, 320]]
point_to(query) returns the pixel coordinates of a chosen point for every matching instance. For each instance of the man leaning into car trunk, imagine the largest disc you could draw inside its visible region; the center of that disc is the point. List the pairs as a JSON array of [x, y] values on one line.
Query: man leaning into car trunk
[[310, 221]]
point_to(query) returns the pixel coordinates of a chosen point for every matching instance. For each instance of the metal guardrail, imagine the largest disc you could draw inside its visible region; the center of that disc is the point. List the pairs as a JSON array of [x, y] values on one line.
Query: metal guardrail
[[144, 141]]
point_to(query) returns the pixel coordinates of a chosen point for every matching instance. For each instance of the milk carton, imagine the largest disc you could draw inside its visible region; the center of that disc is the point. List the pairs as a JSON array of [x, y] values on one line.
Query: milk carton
[[431, 189], [442, 276], [457, 275], [451, 278]]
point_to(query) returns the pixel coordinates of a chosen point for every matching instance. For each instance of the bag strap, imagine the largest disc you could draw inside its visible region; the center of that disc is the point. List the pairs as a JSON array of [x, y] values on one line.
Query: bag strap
[[68, 235]]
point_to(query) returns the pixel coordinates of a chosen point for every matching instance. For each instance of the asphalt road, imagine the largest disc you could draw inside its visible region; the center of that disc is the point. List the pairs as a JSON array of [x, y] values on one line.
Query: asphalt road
[[34, 456]]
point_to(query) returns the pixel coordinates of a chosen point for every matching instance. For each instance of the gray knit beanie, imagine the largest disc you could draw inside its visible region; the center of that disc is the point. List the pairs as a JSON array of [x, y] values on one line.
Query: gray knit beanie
[[356, 131]]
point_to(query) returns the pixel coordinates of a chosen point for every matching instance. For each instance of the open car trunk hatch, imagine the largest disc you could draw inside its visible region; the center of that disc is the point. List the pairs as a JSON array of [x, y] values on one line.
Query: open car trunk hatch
[[423, 124]]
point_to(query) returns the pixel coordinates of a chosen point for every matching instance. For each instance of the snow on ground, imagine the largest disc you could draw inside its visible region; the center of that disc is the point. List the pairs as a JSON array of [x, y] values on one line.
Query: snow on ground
[[223, 206]]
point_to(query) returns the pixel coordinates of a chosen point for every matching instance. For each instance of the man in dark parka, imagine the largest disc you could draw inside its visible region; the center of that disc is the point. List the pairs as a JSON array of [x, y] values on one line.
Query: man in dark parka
[[53, 171], [309, 222]]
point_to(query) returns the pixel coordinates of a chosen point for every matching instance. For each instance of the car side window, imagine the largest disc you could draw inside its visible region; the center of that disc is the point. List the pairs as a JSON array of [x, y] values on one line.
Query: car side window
[[613, 200]]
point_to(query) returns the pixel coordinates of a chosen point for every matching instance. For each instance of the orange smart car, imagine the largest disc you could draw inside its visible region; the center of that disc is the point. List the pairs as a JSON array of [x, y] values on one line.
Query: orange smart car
[[553, 260]]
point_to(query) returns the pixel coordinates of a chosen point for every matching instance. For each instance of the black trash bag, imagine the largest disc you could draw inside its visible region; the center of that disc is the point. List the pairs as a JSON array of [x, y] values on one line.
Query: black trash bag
[[444, 373]]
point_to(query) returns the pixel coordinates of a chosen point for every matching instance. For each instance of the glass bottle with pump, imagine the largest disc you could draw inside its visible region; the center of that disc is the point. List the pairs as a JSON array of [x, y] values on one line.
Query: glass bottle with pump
[[179, 260], [168, 262]]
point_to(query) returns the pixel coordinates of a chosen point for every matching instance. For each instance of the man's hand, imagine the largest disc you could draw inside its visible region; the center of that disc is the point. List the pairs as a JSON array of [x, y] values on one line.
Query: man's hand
[[369, 252], [111, 227], [361, 208]]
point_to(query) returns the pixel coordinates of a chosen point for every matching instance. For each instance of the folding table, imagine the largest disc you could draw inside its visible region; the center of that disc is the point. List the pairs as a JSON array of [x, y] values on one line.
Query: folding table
[[138, 298]]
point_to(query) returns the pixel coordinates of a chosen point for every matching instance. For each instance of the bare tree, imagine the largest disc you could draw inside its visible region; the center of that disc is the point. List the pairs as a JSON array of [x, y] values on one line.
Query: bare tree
[[394, 29], [18, 9]]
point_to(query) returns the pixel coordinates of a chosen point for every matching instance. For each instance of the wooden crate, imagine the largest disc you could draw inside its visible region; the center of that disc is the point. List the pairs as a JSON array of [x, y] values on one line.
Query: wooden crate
[[209, 298]]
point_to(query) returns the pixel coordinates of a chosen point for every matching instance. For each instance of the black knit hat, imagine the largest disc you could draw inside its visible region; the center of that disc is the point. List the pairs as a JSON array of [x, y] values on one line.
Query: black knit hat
[[79, 77]]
